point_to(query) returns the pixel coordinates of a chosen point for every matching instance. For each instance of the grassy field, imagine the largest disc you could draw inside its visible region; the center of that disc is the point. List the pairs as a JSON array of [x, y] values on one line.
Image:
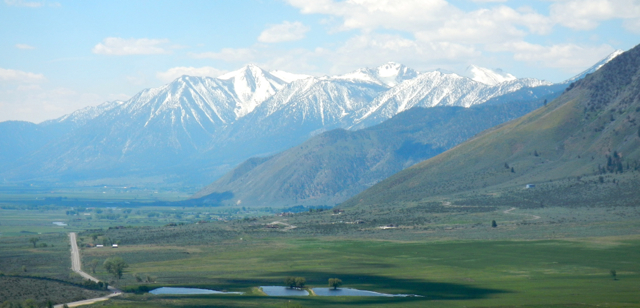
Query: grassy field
[[538, 257], [446, 273], [19, 257]]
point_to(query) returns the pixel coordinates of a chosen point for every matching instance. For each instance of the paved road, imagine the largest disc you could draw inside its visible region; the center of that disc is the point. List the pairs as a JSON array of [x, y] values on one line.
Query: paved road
[[76, 266]]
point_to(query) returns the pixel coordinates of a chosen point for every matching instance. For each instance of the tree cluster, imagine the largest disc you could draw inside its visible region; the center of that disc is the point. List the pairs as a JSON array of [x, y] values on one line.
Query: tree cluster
[[614, 164], [90, 284], [115, 266], [295, 282], [335, 282]]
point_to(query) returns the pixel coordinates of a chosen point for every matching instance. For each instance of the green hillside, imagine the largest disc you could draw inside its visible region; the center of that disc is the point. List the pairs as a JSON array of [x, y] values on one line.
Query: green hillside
[[335, 165], [581, 149]]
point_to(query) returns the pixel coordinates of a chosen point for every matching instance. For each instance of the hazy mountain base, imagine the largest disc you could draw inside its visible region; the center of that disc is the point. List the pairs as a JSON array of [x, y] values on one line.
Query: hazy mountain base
[[336, 165]]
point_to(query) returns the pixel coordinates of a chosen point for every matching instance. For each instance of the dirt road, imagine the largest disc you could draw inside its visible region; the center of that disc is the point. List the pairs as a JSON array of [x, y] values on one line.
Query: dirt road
[[76, 266], [533, 217]]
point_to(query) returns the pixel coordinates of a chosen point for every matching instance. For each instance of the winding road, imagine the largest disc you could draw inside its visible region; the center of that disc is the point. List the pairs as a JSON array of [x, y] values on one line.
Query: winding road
[[533, 217], [76, 266]]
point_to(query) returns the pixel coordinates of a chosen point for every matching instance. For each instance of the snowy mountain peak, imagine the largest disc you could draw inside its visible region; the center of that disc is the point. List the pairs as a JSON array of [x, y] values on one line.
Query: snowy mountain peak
[[595, 67], [252, 85], [394, 73], [249, 71], [388, 75], [359, 75], [487, 76]]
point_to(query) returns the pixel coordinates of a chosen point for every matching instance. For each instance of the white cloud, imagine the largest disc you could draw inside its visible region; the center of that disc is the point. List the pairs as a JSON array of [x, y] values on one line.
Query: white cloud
[[24, 46], [369, 50], [121, 47], [22, 3], [368, 15], [587, 14], [569, 57], [437, 32], [432, 20], [284, 32], [365, 50], [499, 24], [30, 4], [19, 76], [173, 73]]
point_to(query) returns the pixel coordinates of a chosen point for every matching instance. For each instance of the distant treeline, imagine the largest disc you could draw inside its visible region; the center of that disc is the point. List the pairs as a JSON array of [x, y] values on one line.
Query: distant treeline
[[210, 200], [87, 284]]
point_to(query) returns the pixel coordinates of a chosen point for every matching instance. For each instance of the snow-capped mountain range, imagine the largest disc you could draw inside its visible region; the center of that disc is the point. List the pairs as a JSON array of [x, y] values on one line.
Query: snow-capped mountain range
[[207, 125]]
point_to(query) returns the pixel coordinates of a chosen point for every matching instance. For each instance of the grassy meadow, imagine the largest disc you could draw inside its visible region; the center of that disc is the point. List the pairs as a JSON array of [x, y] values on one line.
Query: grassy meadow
[[445, 273], [541, 257]]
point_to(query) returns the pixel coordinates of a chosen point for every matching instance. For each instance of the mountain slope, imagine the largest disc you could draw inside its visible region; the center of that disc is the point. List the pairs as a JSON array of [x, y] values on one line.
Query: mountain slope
[[155, 129], [195, 129], [594, 67], [436, 89], [574, 149], [335, 165]]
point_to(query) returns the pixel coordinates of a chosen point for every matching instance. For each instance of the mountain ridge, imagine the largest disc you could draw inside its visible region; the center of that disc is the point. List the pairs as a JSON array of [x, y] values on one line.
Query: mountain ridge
[[572, 148], [332, 166], [200, 123]]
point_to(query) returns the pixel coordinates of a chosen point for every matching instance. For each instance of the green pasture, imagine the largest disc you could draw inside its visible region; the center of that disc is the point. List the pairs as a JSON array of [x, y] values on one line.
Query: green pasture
[[50, 258], [32, 222], [447, 274]]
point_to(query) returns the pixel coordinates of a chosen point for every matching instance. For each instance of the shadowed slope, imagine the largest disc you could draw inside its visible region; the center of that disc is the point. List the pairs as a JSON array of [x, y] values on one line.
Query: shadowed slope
[[338, 164]]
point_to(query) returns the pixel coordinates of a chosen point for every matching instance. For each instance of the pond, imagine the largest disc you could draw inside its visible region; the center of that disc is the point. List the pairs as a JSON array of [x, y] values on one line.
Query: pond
[[178, 291], [351, 292], [283, 291]]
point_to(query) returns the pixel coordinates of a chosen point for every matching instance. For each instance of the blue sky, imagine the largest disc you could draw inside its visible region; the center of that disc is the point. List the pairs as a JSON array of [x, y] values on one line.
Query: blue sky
[[60, 56]]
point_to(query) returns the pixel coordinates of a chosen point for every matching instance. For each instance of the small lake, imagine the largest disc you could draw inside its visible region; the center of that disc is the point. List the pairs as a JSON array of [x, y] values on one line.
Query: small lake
[[59, 223], [351, 292], [283, 291], [179, 291]]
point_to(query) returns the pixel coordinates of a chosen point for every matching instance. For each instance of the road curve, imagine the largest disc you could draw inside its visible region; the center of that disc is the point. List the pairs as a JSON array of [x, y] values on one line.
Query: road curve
[[534, 217], [76, 266]]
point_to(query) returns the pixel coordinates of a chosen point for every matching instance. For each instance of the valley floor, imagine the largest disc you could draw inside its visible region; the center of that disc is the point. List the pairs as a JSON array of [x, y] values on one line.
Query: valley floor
[[539, 258], [443, 250]]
